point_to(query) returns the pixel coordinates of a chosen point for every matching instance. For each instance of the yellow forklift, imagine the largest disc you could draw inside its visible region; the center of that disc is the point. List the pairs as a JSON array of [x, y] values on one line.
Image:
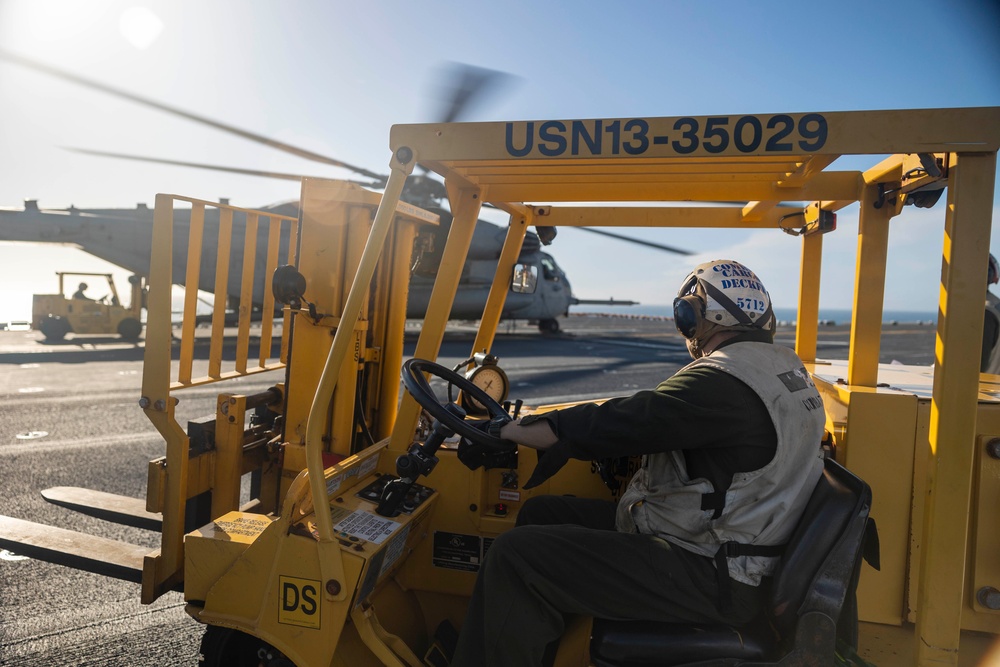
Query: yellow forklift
[[362, 533], [56, 315]]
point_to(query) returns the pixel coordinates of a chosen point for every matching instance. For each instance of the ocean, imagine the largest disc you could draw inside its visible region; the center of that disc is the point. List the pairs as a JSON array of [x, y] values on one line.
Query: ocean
[[829, 316]]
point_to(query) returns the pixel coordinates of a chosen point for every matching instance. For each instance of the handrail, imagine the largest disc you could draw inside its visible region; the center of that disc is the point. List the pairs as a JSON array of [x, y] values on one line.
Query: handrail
[[275, 230], [158, 380]]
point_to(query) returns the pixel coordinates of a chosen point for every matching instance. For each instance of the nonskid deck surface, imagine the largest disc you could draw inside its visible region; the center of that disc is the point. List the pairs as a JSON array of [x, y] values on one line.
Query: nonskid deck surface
[[904, 342]]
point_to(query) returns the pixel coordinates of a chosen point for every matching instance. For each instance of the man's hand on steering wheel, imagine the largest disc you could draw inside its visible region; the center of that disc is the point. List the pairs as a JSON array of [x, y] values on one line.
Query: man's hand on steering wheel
[[492, 426], [475, 455], [481, 443]]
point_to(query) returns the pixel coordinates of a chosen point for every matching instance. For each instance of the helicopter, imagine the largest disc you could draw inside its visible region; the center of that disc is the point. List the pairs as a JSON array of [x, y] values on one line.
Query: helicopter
[[540, 289], [123, 236]]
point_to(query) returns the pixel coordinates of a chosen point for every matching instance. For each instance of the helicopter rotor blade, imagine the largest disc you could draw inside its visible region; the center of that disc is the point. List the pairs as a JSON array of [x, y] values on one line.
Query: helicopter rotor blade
[[459, 85], [199, 165], [630, 239], [116, 92], [462, 85]]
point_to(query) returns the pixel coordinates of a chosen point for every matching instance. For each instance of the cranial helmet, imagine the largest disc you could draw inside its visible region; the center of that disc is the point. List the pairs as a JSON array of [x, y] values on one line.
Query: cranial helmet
[[721, 295], [993, 275]]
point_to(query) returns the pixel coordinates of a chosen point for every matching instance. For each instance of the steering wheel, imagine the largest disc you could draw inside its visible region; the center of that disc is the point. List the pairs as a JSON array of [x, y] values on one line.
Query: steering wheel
[[417, 385]]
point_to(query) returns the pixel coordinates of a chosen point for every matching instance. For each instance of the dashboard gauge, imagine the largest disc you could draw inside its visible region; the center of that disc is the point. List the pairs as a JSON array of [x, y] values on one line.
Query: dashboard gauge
[[491, 379]]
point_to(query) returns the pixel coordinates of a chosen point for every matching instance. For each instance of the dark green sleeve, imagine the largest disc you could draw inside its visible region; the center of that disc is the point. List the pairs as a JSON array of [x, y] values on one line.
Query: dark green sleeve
[[697, 408]]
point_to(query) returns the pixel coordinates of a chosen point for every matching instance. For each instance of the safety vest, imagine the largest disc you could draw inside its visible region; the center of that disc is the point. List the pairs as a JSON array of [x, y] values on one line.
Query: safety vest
[[760, 509], [993, 306]]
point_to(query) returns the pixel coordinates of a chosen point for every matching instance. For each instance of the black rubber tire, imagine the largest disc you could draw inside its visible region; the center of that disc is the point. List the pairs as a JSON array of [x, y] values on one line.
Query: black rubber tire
[[550, 325], [54, 327], [130, 329], [226, 647]]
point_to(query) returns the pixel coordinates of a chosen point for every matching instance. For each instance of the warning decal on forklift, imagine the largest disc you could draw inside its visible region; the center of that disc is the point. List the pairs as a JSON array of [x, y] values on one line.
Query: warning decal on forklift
[[371, 577], [510, 496], [454, 551], [381, 563], [367, 465], [298, 602], [333, 484], [241, 527], [394, 550], [367, 526]]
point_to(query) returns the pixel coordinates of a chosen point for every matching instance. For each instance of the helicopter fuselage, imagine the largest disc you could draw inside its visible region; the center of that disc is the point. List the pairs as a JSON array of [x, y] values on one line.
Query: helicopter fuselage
[[123, 237]]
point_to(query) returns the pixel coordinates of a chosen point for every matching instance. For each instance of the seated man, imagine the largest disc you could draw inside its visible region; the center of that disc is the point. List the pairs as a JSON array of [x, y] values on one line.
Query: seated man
[[79, 293], [731, 453]]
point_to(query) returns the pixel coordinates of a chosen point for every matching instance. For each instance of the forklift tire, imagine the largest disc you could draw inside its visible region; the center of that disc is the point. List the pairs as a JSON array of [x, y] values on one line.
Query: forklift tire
[[130, 329], [54, 327], [226, 647], [550, 325]]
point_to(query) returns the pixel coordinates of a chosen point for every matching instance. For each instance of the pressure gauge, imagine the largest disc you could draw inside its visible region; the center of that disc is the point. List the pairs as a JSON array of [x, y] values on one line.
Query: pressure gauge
[[489, 377]]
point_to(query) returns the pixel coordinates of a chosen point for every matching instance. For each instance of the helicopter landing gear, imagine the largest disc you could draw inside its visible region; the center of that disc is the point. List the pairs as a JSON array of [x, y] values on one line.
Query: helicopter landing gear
[[226, 646], [550, 325]]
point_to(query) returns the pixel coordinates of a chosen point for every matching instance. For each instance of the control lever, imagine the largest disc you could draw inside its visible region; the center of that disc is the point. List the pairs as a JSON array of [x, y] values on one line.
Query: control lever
[[517, 408], [419, 460]]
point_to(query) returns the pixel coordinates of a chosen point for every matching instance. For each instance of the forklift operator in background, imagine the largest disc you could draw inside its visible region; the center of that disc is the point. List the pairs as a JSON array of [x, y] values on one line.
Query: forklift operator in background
[[79, 293], [731, 454]]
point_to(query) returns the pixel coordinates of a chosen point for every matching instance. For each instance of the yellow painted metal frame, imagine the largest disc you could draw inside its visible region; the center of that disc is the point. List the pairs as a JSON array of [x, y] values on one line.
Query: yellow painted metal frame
[[341, 343], [337, 218], [163, 569], [565, 176], [953, 409], [567, 164], [465, 208]]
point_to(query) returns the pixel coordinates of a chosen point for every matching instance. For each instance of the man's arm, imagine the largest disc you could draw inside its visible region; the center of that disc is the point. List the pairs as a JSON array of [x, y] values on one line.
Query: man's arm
[[537, 435], [702, 408]]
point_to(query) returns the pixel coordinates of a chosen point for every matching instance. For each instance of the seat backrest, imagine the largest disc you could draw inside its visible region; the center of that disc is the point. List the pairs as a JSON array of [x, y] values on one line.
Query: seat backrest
[[816, 568]]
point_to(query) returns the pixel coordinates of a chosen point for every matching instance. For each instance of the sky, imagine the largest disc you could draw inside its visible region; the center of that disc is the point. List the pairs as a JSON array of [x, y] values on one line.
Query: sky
[[333, 76]]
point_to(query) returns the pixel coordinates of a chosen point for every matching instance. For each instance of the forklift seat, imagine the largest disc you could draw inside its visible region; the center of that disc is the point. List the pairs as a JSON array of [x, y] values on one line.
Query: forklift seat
[[812, 600]]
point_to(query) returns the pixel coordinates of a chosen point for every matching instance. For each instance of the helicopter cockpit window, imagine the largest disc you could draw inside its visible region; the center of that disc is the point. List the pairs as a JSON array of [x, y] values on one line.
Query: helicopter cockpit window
[[525, 279], [549, 269]]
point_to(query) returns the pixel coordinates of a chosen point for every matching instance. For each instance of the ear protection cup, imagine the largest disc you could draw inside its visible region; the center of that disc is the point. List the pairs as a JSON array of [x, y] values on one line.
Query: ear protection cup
[[689, 313]]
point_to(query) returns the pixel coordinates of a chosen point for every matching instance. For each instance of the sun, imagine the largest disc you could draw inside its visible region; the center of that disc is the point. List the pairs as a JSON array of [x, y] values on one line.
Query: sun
[[140, 27]]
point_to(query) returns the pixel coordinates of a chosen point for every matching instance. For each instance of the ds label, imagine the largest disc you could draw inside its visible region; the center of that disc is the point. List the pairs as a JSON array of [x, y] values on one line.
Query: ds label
[[298, 602]]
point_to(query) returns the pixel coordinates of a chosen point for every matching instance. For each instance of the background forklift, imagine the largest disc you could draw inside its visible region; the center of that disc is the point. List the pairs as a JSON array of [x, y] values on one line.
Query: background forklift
[[56, 315], [329, 521]]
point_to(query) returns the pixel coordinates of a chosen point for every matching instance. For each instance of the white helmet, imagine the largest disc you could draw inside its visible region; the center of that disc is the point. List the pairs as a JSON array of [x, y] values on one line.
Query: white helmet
[[721, 295]]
